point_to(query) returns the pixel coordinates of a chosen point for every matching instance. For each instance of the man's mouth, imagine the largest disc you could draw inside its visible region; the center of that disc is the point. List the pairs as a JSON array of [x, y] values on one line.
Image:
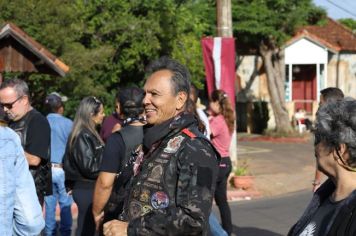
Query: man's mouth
[[149, 111]]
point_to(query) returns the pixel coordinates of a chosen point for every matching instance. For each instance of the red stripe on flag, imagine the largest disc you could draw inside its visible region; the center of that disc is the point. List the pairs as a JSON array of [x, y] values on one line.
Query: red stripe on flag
[[228, 75], [208, 46]]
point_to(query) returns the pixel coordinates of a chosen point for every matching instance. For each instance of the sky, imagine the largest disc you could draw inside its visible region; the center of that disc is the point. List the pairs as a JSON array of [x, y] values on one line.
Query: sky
[[337, 9]]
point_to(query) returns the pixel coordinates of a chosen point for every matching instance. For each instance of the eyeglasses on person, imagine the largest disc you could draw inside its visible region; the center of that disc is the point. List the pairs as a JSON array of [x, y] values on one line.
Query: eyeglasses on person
[[10, 105]]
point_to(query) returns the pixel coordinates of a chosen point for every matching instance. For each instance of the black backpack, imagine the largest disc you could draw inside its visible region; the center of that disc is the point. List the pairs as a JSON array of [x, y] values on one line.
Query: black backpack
[[132, 137]]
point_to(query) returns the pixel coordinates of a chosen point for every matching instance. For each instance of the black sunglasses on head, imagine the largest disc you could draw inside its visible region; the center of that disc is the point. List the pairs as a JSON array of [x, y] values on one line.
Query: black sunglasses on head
[[10, 105]]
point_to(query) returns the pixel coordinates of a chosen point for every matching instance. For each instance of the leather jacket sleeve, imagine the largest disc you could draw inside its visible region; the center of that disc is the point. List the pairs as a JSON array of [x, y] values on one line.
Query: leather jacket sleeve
[[88, 155], [197, 168], [84, 159]]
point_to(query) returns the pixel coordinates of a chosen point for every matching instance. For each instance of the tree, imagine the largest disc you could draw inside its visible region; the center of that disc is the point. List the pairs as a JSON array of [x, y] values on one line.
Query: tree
[[266, 25], [109, 43], [348, 22]]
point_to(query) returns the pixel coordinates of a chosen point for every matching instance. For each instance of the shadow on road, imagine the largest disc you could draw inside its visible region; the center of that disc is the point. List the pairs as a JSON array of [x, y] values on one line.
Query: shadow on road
[[250, 231]]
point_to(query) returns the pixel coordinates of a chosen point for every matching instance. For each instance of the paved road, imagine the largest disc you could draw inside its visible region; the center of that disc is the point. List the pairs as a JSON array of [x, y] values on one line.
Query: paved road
[[279, 168], [269, 216]]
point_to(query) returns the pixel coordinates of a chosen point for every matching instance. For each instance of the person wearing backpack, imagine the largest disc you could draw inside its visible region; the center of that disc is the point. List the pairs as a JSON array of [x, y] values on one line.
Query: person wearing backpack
[[115, 174]]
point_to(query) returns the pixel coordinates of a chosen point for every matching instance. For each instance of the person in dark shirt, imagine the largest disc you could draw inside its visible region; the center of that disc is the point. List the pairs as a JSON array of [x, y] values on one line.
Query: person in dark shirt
[[118, 149], [82, 160], [330, 94], [333, 206], [113, 122], [176, 171], [33, 129]]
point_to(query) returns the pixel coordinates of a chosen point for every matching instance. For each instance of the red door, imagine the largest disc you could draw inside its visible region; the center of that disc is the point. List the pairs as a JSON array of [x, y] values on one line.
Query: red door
[[304, 86]]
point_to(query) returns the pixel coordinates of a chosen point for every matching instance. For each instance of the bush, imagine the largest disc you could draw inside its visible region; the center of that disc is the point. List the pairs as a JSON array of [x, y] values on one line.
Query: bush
[[241, 169]]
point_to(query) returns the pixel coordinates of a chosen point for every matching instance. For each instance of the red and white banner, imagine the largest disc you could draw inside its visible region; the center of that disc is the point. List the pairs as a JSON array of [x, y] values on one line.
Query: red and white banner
[[219, 62]]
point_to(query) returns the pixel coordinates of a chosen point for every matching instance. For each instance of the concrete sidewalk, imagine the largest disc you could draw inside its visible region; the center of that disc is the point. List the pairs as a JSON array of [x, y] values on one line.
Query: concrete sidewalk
[[279, 165]]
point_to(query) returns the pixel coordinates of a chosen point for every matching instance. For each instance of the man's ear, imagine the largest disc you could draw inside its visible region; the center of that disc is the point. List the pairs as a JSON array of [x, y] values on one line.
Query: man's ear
[[27, 99], [343, 151], [181, 100]]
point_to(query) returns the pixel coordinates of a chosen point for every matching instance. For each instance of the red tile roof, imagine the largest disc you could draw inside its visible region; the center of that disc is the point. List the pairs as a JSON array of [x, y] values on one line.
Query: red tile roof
[[332, 35], [10, 29]]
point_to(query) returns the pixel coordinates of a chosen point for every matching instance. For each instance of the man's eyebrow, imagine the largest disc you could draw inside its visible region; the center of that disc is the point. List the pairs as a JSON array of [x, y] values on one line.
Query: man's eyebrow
[[154, 91]]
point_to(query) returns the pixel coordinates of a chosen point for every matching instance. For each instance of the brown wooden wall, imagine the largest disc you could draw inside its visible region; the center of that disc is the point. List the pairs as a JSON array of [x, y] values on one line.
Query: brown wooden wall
[[16, 58]]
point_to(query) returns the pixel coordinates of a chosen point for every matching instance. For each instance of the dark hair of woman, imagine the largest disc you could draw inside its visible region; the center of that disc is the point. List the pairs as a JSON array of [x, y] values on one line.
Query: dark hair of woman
[[225, 106], [191, 108]]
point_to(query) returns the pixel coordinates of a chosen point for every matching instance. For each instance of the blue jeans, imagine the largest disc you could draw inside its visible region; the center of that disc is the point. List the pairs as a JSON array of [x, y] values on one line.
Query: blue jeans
[[20, 211], [215, 227], [65, 203]]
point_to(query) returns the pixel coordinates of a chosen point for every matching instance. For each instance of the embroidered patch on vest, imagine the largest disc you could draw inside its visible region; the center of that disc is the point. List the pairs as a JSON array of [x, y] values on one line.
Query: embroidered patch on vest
[[137, 164], [152, 186], [145, 195], [174, 144], [135, 209], [135, 192], [156, 173], [146, 209], [159, 200]]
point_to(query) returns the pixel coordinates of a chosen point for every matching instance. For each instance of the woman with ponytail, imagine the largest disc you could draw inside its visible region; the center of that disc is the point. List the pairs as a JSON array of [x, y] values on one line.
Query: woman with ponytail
[[221, 124]]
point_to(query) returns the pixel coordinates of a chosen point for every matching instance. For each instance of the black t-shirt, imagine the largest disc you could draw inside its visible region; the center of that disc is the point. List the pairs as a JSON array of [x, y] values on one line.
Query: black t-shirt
[[38, 136], [114, 153], [318, 223]]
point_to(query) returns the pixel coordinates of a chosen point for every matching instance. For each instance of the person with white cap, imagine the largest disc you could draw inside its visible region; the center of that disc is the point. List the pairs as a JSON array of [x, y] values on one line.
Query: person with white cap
[[60, 130]]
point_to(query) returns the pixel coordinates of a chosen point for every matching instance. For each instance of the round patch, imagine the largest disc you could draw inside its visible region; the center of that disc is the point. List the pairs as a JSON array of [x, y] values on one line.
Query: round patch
[[159, 200]]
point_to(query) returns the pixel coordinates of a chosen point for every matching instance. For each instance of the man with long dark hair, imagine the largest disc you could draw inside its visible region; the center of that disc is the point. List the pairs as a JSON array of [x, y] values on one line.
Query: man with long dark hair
[[175, 174]]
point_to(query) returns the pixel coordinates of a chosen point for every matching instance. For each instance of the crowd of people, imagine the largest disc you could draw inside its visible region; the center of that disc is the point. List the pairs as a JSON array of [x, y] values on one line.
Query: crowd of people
[[155, 165], [144, 166]]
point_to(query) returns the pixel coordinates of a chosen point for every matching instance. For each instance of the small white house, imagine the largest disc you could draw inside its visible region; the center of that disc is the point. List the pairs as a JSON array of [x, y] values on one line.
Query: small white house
[[315, 58], [319, 57]]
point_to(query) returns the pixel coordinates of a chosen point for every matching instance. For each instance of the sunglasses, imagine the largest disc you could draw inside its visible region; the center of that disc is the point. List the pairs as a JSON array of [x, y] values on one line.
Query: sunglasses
[[10, 105]]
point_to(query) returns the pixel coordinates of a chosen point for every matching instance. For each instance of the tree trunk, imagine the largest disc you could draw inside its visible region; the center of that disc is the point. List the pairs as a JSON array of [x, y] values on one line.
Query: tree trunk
[[274, 66]]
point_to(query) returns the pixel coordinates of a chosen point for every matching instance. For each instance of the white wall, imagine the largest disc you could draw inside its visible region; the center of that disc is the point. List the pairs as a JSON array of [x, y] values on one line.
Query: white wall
[[305, 51], [346, 72]]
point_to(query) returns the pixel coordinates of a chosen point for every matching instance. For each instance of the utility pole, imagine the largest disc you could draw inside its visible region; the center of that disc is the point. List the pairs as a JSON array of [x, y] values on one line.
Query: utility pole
[[224, 18], [224, 29]]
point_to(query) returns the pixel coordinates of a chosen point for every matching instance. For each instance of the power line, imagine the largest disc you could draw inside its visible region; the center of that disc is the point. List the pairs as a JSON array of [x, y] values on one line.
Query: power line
[[341, 8]]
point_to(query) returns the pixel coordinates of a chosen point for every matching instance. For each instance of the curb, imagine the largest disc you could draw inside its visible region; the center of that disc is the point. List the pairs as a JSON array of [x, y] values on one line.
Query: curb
[[274, 139], [240, 194]]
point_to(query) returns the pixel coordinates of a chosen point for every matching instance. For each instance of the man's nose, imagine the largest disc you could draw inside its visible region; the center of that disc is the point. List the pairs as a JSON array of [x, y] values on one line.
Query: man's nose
[[146, 99]]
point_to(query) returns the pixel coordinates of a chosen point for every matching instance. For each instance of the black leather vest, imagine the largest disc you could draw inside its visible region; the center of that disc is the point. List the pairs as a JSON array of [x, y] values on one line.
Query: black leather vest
[[156, 185]]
